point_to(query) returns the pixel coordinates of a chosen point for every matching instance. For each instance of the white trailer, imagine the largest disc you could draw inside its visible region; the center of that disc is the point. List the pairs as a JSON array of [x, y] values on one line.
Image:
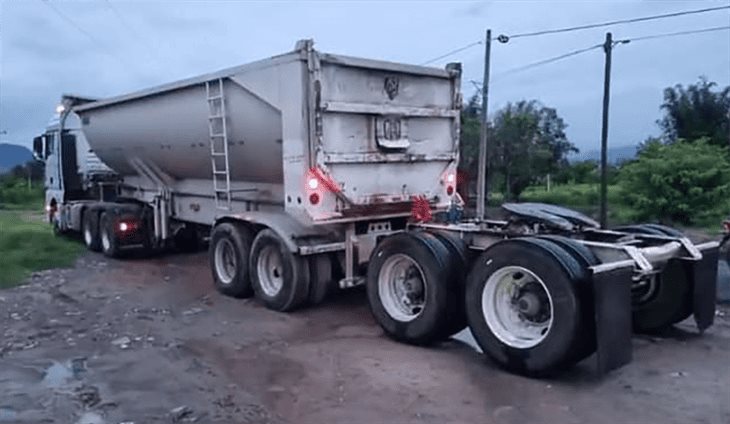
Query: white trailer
[[309, 172]]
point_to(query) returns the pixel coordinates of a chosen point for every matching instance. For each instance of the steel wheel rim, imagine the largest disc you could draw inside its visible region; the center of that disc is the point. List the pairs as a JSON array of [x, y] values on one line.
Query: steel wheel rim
[[270, 269], [105, 241], [644, 291], [517, 307], [87, 235], [402, 287], [226, 261]]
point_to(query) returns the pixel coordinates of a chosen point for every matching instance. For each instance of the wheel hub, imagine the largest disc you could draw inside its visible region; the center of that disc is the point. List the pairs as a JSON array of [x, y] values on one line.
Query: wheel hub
[[402, 289], [517, 307]]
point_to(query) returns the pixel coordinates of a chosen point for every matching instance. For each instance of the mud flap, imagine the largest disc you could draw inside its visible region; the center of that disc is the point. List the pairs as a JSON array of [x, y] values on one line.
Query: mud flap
[[612, 299], [704, 282]]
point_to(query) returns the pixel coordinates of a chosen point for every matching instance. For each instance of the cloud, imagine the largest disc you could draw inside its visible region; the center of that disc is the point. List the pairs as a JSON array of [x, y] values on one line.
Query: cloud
[[138, 44]]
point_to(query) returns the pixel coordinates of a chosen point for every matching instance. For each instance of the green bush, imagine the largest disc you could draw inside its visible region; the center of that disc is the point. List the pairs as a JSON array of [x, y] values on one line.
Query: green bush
[[15, 194], [685, 183], [571, 195]]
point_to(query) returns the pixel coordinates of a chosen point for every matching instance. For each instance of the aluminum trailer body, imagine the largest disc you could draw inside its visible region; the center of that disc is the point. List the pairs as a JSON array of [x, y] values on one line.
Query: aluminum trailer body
[[310, 171]]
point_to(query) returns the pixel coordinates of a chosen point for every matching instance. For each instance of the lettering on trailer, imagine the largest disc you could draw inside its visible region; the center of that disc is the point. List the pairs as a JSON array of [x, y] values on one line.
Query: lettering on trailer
[[391, 87]]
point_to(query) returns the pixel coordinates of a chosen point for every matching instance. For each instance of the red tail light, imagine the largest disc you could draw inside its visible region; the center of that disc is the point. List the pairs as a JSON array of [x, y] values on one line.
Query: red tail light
[[420, 209], [726, 226]]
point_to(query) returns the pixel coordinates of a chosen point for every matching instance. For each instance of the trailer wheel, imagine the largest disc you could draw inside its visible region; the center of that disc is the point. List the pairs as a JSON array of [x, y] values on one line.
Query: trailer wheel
[[523, 307], [406, 287], [279, 278], [90, 231], [109, 242], [320, 278], [666, 298], [230, 245], [461, 258]]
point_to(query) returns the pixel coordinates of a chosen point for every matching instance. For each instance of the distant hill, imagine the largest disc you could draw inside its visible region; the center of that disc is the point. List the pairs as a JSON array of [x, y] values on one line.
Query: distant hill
[[615, 154], [12, 154]]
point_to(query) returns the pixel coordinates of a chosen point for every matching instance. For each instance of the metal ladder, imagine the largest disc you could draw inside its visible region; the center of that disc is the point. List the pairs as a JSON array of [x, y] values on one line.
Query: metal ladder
[[218, 143]]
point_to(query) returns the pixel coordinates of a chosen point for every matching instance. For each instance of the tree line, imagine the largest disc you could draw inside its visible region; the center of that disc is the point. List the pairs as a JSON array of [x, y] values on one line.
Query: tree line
[[680, 176]]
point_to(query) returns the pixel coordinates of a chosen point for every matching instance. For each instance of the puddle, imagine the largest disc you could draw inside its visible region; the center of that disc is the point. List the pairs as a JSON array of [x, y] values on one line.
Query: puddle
[[59, 374], [466, 337], [7, 415], [90, 418]]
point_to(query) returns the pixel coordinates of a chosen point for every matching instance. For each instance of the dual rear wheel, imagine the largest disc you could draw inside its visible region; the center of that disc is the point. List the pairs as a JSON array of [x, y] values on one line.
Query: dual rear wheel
[[526, 301], [245, 265]]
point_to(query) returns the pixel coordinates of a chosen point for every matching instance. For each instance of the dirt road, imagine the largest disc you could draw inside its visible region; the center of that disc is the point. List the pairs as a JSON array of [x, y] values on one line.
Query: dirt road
[[150, 341]]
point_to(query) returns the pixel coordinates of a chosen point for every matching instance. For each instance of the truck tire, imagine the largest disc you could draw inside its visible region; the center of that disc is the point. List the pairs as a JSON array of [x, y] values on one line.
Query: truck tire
[[186, 239], [321, 282], [667, 298], [586, 342], [279, 278], [535, 329], [460, 256], [90, 231], [407, 289], [110, 246], [230, 244]]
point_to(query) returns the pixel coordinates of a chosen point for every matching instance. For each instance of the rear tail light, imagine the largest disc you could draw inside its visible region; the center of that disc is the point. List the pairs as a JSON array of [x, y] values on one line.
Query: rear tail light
[[313, 183], [314, 198], [450, 190]]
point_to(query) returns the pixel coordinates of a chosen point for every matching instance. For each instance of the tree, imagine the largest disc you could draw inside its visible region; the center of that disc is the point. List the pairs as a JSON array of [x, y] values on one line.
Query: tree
[[679, 182], [585, 171], [527, 141], [696, 112]]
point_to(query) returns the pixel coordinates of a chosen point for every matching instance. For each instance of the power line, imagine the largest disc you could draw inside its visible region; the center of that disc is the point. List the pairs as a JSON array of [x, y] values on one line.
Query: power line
[[616, 22], [587, 49], [453, 52], [549, 60], [674, 34], [129, 27], [87, 34], [505, 38]]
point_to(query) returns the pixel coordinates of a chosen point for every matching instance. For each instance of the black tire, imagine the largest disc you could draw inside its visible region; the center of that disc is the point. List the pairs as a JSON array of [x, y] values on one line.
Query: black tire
[[321, 282], [560, 274], [461, 258], [431, 321], [90, 231], [186, 239], [291, 270], [586, 342], [230, 245], [671, 299], [110, 245]]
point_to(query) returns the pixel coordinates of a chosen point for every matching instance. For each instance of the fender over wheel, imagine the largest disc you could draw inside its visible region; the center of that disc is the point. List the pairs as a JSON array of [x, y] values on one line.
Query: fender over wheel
[[665, 298]]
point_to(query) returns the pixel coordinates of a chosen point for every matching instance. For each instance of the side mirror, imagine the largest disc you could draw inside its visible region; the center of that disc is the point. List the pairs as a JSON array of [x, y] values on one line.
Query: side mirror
[[38, 148]]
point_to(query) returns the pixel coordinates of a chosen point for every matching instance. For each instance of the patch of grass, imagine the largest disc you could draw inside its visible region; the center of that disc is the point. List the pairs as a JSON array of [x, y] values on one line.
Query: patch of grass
[[27, 244], [16, 195]]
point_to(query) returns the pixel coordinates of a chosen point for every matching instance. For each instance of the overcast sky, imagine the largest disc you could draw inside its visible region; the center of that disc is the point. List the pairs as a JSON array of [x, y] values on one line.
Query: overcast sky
[[104, 48]]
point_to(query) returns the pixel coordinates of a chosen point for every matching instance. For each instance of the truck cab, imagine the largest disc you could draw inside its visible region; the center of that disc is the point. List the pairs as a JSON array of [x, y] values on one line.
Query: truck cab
[[72, 170]]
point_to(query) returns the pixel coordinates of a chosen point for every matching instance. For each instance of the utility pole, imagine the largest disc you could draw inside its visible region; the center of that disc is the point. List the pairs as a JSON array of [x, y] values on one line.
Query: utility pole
[[482, 174], [607, 47]]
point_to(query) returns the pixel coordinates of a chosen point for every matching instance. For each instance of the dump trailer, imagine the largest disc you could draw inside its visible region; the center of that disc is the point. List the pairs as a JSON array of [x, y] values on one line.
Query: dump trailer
[[310, 172]]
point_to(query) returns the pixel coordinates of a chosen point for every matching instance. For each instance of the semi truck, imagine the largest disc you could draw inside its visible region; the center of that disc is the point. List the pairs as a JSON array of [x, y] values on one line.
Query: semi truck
[[311, 172]]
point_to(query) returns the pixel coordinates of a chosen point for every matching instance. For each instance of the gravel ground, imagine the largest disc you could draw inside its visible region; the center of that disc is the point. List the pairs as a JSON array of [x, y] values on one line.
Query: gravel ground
[[150, 341]]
